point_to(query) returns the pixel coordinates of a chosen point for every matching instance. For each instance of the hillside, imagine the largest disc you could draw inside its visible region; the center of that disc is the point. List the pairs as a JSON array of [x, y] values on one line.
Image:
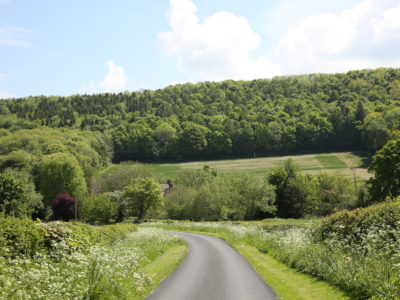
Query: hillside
[[294, 114]]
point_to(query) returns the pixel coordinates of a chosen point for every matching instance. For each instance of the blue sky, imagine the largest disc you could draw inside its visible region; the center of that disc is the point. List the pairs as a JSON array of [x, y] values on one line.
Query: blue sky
[[66, 47]]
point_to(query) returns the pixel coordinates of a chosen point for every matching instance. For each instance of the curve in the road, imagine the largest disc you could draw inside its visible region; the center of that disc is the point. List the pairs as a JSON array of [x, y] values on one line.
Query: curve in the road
[[213, 270]]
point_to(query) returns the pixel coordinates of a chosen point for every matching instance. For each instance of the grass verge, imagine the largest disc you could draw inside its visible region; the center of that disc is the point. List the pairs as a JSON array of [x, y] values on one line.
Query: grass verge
[[286, 282], [163, 266]]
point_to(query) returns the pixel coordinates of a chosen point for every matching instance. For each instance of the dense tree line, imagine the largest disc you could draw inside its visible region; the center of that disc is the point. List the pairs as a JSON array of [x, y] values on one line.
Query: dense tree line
[[356, 110]]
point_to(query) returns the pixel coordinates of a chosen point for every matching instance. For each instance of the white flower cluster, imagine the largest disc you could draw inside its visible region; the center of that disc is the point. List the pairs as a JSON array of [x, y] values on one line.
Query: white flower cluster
[[102, 270]]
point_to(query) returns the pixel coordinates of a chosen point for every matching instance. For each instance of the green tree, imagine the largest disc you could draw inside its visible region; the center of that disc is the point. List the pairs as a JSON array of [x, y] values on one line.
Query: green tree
[[334, 193], [252, 197], [16, 159], [121, 176], [193, 142], [59, 173], [295, 193], [166, 140], [98, 208], [385, 166], [33, 203], [12, 197], [141, 195]]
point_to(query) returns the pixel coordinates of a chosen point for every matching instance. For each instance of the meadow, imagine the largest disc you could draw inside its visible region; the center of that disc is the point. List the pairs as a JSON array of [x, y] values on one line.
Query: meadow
[[341, 163], [59, 260]]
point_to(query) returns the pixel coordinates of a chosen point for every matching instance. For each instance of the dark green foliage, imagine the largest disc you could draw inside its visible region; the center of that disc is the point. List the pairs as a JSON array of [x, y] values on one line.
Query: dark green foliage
[[32, 203], [299, 195], [12, 197], [295, 192], [385, 166]]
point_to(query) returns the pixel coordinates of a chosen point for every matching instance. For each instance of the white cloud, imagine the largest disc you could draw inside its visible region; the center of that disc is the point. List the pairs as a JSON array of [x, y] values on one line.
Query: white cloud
[[389, 26], [115, 81], [339, 42], [221, 47], [14, 36]]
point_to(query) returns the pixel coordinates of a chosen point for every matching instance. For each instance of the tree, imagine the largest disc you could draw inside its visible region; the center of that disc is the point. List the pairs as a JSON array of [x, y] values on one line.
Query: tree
[[98, 208], [253, 197], [334, 193], [16, 159], [121, 177], [141, 195], [12, 198], [32, 203], [385, 166], [64, 207], [295, 192], [166, 140], [193, 142], [59, 173]]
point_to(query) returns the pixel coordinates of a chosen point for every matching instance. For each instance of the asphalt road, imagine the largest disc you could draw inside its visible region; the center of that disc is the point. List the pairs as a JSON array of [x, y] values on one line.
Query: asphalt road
[[213, 270]]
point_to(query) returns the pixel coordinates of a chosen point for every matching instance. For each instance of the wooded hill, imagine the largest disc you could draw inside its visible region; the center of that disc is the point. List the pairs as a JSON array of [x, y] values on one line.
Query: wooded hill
[[359, 110]]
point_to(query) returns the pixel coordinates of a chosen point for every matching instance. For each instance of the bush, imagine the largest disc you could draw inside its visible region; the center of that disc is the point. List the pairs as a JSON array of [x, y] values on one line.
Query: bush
[[375, 228], [24, 237], [20, 237], [64, 207], [12, 197], [98, 208]]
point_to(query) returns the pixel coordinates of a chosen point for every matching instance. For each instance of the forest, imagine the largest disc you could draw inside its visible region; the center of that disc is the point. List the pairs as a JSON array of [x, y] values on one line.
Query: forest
[[358, 110]]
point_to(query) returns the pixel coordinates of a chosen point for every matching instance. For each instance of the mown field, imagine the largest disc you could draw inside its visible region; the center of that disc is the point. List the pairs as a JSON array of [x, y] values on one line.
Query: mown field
[[341, 163]]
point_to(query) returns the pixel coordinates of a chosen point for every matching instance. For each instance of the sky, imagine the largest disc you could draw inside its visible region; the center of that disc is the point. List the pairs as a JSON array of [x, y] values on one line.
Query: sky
[[68, 47]]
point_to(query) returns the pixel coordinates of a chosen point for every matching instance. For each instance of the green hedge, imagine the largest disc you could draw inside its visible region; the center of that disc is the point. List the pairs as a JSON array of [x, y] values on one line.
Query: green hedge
[[371, 228], [24, 237]]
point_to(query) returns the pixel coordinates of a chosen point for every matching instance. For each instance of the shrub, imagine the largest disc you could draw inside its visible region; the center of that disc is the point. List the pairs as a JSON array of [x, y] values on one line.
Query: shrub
[[98, 208], [12, 197], [64, 207], [375, 228], [20, 237], [24, 237]]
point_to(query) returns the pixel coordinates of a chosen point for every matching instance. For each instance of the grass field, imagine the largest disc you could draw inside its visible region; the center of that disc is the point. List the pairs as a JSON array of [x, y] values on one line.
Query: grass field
[[341, 163]]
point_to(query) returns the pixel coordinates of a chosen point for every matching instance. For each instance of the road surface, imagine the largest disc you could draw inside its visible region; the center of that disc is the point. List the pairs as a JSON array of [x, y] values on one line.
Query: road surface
[[213, 270]]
